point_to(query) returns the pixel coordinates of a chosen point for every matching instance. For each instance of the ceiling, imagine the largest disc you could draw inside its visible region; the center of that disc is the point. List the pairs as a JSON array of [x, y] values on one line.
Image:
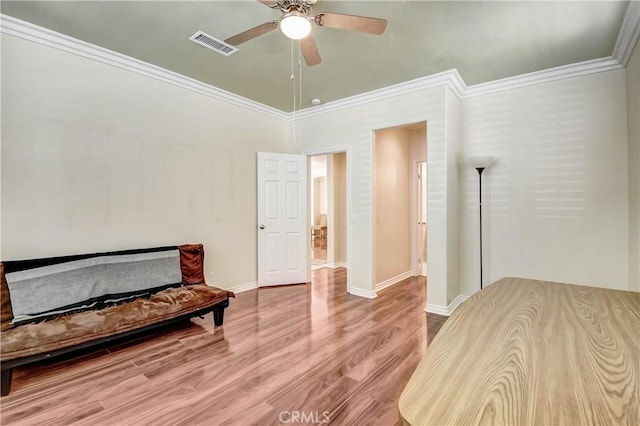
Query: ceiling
[[484, 41]]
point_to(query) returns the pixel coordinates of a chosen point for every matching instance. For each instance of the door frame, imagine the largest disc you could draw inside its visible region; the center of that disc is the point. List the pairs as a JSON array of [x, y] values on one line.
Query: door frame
[[415, 200], [329, 151]]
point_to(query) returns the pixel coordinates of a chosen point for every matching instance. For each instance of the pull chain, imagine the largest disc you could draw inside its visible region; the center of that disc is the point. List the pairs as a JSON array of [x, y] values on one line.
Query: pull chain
[[297, 97], [293, 81]]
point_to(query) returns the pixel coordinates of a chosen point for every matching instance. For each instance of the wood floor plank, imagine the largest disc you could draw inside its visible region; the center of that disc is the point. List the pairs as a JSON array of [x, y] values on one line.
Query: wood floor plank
[[305, 349], [52, 392], [67, 414]]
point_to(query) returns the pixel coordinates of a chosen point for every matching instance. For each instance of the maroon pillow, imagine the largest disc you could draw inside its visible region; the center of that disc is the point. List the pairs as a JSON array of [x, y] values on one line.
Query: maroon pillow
[[6, 312], [191, 263]]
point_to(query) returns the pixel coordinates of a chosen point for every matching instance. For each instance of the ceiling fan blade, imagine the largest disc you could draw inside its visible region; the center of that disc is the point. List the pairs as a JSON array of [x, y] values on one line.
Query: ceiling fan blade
[[362, 24], [310, 51], [252, 33]]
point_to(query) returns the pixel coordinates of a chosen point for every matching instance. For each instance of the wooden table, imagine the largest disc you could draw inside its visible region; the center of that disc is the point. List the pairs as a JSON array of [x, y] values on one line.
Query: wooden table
[[526, 352]]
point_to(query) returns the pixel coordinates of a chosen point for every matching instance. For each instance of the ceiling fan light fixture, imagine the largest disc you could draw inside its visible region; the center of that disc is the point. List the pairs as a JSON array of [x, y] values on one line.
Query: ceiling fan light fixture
[[295, 25]]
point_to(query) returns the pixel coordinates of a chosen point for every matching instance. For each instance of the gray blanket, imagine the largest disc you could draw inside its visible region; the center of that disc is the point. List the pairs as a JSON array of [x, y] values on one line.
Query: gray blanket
[[53, 288]]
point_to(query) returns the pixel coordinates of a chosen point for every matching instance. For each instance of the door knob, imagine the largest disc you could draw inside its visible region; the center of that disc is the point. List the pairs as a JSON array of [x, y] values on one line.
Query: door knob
[[261, 226]]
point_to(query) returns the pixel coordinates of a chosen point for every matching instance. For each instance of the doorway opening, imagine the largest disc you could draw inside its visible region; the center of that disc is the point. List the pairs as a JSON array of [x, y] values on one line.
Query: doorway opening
[[399, 204], [318, 211], [328, 211]]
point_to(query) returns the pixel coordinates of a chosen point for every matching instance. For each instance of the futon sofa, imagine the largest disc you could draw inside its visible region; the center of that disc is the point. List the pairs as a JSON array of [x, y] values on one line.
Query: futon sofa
[[65, 306]]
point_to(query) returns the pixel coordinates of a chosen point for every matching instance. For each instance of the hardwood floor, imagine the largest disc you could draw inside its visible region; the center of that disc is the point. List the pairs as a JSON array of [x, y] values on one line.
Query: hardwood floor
[[319, 251], [311, 353]]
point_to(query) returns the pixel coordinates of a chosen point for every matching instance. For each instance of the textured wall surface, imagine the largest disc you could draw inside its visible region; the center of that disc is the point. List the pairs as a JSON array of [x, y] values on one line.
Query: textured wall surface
[[97, 158]]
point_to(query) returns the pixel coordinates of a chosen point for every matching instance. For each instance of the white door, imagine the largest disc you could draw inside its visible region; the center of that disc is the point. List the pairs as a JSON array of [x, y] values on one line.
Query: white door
[[282, 219]]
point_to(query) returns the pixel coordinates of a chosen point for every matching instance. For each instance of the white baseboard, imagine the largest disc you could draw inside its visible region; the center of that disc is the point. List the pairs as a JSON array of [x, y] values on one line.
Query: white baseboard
[[436, 309], [244, 287], [446, 310], [393, 280], [329, 265], [363, 293], [457, 302]]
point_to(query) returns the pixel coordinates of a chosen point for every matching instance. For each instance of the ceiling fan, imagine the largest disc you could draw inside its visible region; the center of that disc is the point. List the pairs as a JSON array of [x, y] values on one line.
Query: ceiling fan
[[295, 23]]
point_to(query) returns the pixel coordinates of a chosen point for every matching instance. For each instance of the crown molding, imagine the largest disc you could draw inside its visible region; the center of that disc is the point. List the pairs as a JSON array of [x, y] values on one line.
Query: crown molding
[[454, 82], [629, 33], [27, 31], [627, 37], [544, 76], [449, 78]]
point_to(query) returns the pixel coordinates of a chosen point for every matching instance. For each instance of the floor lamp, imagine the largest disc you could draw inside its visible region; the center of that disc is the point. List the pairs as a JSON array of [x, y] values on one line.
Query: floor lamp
[[480, 163]]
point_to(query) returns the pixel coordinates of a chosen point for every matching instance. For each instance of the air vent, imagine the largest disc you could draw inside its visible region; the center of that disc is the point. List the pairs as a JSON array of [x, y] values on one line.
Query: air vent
[[213, 43]]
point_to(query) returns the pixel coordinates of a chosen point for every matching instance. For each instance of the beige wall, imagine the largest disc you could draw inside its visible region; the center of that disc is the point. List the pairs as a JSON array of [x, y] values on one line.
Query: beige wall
[[337, 242], [97, 158], [319, 198], [418, 141], [633, 126], [318, 187], [392, 189]]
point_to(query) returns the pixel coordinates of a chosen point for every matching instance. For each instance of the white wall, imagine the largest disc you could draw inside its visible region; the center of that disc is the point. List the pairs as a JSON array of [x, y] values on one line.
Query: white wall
[[556, 201], [318, 166], [98, 158], [352, 128], [454, 143], [633, 124]]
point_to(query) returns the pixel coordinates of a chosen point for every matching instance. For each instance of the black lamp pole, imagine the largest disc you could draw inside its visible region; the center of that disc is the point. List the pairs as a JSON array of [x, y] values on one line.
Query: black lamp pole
[[480, 163], [480, 170]]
